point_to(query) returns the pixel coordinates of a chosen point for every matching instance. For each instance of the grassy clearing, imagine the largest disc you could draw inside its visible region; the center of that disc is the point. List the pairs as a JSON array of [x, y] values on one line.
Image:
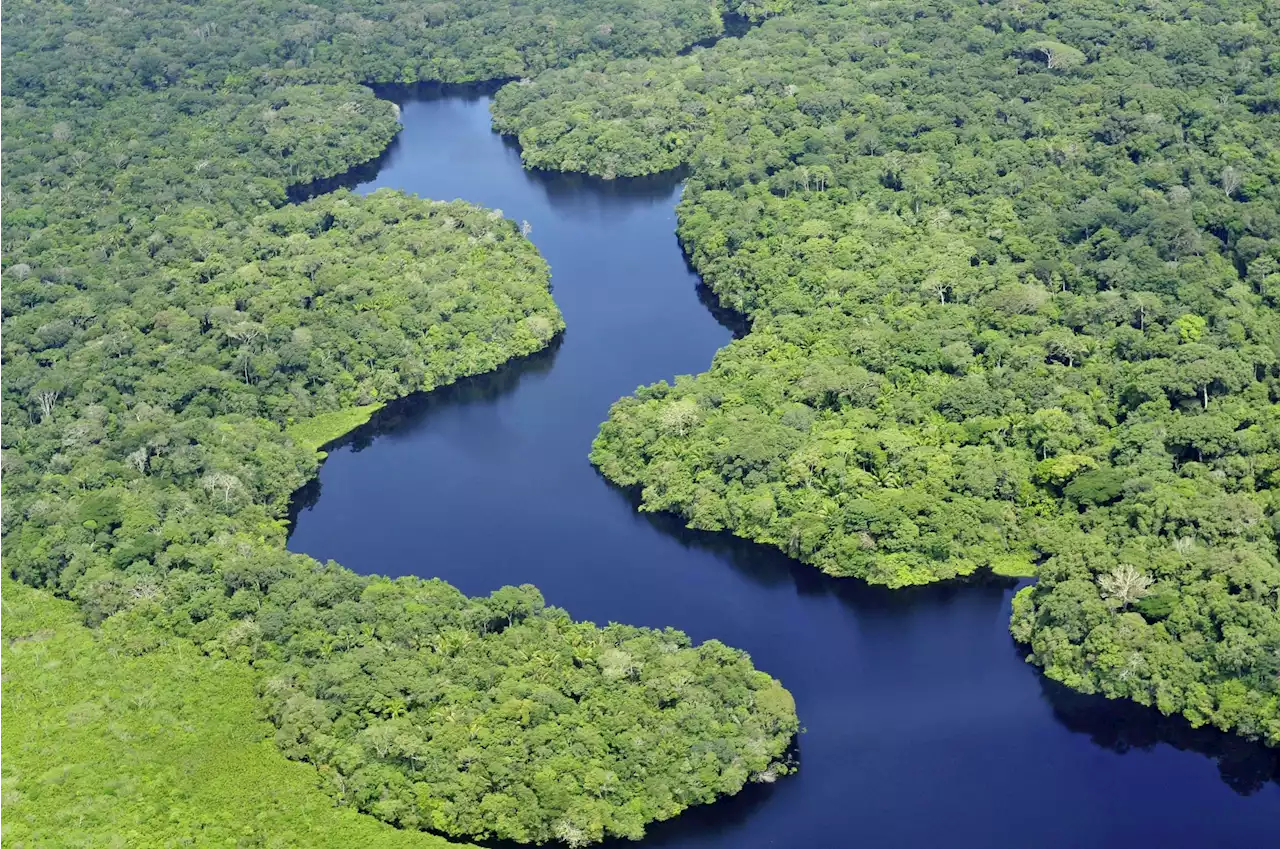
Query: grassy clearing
[[1013, 566], [317, 431], [105, 747]]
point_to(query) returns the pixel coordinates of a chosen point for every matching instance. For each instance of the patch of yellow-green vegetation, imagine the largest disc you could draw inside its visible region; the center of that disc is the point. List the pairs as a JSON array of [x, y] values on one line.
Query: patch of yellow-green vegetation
[[317, 431], [106, 747], [1013, 566]]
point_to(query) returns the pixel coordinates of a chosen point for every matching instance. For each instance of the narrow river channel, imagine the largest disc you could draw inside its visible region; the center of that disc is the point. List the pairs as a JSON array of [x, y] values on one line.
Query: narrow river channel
[[924, 727]]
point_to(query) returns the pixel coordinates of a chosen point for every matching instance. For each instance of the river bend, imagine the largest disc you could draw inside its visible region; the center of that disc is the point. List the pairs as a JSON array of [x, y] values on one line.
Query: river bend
[[924, 726]]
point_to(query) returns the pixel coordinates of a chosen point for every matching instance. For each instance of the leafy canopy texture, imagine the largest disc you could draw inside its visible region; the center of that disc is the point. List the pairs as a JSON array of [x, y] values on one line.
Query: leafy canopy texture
[[1012, 271], [177, 343], [162, 748], [497, 716], [89, 52]]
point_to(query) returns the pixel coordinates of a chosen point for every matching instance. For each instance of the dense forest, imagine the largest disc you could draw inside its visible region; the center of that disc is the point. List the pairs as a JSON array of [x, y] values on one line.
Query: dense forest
[[1011, 268], [1012, 271], [179, 339], [89, 53], [168, 747]]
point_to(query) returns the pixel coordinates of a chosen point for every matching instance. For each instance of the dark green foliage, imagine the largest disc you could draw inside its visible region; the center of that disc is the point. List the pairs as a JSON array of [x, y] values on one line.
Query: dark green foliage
[[1158, 606], [88, 52], [167, 317], [1099, 486], [495, 716], [1012, 271]]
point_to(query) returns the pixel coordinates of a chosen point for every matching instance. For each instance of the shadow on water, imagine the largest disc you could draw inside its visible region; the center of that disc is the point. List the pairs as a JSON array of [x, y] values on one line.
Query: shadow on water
[[731, 320], [1123, 726], [402, 93], [735, 26], [411, 412], [725, 817], [399, 94], [406, 415], [1117, 725], [349, 179], [770, 567], [578, 206]]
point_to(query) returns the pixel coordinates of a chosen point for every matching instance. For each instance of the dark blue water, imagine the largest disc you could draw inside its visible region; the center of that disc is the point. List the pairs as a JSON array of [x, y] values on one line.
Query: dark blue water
[[925, 728]]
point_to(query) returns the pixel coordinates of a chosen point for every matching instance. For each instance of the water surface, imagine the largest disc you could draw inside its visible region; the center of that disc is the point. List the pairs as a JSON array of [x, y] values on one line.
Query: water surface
[[925, 728]]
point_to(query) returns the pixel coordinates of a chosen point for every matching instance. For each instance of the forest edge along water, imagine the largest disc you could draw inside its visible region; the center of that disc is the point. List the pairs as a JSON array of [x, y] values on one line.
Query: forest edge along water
[[923, 725]]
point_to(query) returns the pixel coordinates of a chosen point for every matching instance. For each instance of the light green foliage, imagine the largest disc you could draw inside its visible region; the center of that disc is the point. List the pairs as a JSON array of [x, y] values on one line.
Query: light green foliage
[[167, 318], [1058, 56], [1013, 566], [1190, 327], [163, 747], [1001, 312], [314, 432]]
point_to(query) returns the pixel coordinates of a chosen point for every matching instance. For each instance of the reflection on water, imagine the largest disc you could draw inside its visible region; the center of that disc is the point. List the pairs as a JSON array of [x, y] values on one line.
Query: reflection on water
[[1119, 726], [924, 725], [1123, 726], [425, 92], [362, 173], [735, 26], [735, 322], [710, 823], [412, 411], [768, 566]]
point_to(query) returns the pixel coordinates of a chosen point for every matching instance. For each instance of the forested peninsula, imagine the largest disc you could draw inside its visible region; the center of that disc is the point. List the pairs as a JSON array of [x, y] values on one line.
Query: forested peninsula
[[178, 340], [1012, 272]]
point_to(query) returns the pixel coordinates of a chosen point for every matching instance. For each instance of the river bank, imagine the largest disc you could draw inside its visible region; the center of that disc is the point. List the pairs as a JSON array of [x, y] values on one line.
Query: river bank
[[924, 725]]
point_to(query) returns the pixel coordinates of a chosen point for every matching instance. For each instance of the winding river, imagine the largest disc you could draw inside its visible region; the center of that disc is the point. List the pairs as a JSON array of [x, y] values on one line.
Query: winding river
[[924, 726]]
